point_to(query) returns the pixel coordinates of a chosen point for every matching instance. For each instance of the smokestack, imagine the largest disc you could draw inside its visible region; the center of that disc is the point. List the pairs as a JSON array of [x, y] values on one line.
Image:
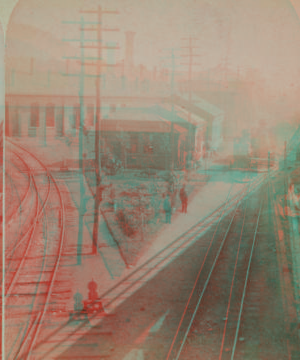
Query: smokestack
[[129, 52], [31, 66], [67, 66], [154, 73], [122, 68], [12, 79], [49, 77], [141, 72]]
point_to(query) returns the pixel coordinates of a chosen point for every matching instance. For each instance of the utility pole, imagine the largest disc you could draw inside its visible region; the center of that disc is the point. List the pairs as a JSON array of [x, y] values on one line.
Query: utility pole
[[173, 68], [81, 75], [98, 193], [284, 156], [191, 55], [83, 62]]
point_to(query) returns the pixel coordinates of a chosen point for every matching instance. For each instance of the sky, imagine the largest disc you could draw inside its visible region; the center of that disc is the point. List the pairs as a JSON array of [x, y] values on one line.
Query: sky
[[264, 34]]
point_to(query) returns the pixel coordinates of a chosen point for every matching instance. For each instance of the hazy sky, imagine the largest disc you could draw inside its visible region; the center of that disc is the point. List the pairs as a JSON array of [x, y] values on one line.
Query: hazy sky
[[263, 34]]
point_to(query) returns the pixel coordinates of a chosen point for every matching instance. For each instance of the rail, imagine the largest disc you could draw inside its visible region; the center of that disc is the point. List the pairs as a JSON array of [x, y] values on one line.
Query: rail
[[135, 279], [25, 349]]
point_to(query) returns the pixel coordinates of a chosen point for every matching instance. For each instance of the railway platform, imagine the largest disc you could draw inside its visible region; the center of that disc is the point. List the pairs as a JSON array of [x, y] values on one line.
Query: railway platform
[[214, 201], [288, 216], [116, 282], [241, 284]]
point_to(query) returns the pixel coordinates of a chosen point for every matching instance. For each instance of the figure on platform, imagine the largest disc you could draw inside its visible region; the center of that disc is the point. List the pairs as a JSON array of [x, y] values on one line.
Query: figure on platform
[[93, 303], [113, 198], [171, 180], [156, 203], [168, 209], [79, 313], [184, 199]]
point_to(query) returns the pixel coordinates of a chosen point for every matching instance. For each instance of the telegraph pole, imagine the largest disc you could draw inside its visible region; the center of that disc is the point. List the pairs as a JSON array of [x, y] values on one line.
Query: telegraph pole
[[98, 192], [284, 156], [191, 55], [83, 62], [81, 75], [97, 136], [173, 68]]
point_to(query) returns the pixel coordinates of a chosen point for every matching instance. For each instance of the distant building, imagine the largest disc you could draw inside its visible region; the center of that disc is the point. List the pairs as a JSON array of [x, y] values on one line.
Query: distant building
[[207, 121], [151, 137]]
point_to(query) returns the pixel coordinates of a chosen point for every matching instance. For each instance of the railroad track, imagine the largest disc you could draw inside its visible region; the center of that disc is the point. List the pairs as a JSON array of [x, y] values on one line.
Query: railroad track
[[34, 264], [139, 277], [28, 214], [228, 300], [14, 198], [13, 205], [209, 278], [286, 260]]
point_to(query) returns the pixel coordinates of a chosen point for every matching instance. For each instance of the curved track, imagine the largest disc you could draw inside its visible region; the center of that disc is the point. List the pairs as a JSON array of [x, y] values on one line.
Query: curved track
[[16, 171], [220, 299], [34, 262], [129, 285]]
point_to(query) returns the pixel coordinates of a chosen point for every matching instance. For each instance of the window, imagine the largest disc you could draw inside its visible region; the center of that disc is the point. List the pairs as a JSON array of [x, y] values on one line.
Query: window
[[133, 143], [148, 143], [50, 119], [35, 115], [60, 120], [90, 115], [133, 148], [76, 117], [148, 149], [16, 122]]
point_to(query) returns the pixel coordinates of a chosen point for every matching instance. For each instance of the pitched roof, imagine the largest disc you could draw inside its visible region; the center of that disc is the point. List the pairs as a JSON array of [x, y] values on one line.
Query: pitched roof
[[200, 107], [153, 113], [206, 106]]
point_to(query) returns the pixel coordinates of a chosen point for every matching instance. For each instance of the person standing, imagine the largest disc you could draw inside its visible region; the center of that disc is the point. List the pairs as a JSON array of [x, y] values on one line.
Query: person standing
[[184, 199], [171, 182], [112, 196], [167, 209]]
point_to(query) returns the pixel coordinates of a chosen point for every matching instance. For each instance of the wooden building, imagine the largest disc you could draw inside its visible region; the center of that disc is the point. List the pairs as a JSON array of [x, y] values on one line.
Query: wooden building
[[150, 137]]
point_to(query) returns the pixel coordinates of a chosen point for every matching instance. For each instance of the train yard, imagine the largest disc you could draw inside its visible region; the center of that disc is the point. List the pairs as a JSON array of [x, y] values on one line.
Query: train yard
[[221, 290], [32, 254], [222, 298]]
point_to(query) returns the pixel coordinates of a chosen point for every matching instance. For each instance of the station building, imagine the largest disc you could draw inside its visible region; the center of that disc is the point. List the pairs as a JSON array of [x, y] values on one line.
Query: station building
[[142, 126], [149, 137]]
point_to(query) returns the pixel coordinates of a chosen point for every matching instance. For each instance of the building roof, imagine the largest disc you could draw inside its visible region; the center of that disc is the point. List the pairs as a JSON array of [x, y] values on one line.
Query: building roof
[[153, 113], [48, 83], [149, 119], [195, 119], [200, 107], [129, 114], [206, 106]]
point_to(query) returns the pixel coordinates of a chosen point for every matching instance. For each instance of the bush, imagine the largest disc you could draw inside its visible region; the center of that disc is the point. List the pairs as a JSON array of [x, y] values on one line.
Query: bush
[[125, 225]]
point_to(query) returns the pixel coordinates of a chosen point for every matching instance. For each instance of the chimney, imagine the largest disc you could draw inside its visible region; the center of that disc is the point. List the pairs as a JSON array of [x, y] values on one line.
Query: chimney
[[31, 66], [67, 66], [129, 52], [122, 68], [49, 77], [154, 73], [141, 72], [12, 79]]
